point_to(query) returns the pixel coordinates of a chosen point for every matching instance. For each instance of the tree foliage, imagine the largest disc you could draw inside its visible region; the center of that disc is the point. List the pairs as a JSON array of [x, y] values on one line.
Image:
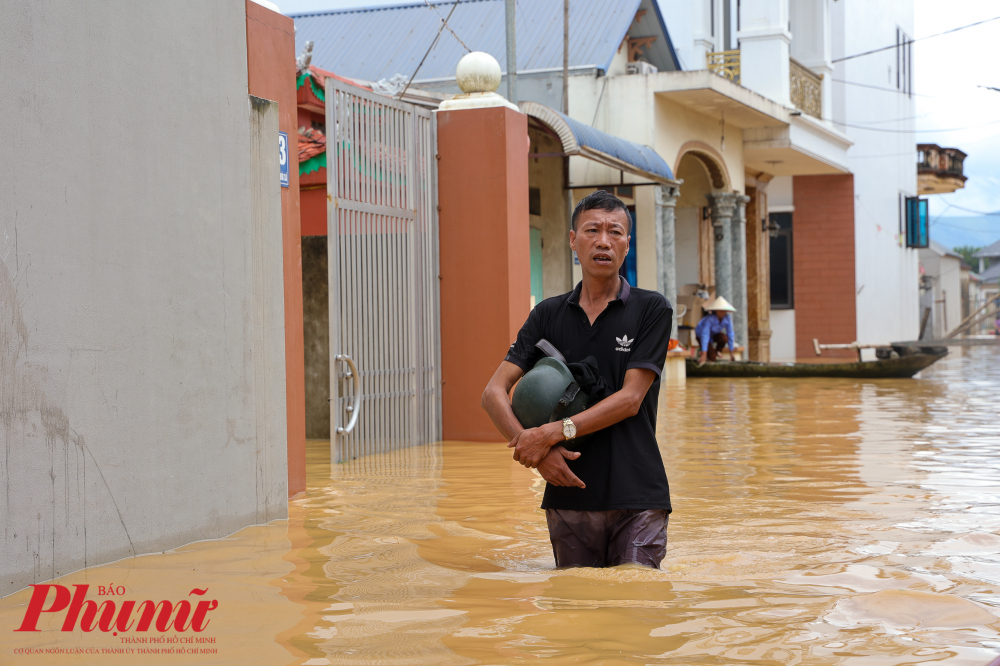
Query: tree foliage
[[966, 252]]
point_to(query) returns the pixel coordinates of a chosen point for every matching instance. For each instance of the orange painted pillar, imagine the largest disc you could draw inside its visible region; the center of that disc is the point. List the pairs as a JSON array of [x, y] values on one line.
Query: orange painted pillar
[[271, 75], [484, 256]]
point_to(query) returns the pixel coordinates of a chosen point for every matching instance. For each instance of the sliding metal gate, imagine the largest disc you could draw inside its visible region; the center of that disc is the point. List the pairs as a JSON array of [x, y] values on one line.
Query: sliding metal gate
[[385, 378]]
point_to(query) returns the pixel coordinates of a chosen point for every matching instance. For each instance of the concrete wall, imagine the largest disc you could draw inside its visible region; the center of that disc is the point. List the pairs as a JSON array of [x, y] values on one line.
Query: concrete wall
[[783, 335], [271, 75], [130, 391]]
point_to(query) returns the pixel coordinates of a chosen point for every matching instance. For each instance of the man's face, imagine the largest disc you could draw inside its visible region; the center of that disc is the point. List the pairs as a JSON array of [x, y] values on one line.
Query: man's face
[[600, 241]]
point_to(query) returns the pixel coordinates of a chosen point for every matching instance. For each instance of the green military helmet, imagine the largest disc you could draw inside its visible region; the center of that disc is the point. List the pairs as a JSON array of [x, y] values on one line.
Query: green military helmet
[[548, 392]]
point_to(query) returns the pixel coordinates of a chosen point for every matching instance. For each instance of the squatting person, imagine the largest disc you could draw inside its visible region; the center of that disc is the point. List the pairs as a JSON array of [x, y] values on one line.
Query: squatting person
[[715, 331], [606, 498]]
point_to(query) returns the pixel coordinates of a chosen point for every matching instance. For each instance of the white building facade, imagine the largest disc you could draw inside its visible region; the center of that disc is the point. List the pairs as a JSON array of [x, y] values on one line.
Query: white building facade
[[867, 99]]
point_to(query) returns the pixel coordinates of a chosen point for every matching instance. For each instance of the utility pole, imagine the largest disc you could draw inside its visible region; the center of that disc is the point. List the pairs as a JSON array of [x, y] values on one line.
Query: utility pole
[[568, 193], [511, 54], [565, 104]]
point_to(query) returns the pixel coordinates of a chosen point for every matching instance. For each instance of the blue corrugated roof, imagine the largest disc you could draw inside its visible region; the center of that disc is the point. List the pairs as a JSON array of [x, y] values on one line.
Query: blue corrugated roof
[[633, 153], [377, 42], [580, 139]]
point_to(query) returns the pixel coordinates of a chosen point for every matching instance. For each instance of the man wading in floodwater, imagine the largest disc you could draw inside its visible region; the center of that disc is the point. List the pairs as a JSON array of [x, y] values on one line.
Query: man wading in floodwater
[[608, 502]]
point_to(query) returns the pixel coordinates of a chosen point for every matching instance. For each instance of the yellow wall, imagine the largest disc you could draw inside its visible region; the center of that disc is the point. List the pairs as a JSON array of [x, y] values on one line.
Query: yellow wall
[[631, 109], [546, 174]]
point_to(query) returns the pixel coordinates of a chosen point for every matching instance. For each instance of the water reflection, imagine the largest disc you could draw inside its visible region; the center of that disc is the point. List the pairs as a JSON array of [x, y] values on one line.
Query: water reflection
[[816, 522]]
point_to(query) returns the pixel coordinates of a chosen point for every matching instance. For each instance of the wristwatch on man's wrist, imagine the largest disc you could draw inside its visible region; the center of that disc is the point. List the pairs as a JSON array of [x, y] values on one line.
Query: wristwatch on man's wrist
[[569, 429]]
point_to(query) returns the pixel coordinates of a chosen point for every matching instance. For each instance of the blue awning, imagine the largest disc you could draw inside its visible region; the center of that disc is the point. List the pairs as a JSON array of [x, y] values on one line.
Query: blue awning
[[585, 141]]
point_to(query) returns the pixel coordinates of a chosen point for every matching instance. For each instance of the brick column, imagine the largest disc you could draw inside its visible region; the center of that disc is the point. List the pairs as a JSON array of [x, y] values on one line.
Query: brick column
[[823, 263], [484, 260]]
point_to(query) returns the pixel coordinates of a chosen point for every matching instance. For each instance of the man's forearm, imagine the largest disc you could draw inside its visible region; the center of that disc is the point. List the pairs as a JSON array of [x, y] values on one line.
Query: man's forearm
[[497, 406], [618, 406]]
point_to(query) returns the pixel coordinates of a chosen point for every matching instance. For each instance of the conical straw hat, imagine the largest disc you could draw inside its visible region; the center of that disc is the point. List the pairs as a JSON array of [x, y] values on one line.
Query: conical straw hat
[[719, 304]]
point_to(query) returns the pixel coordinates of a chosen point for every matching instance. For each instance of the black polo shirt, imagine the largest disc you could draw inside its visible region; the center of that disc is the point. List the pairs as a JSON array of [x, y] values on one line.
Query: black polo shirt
[[620, 464]]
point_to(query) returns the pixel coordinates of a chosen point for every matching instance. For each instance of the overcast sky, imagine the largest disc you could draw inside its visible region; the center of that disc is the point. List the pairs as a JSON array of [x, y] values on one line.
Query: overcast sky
[[947, 70]]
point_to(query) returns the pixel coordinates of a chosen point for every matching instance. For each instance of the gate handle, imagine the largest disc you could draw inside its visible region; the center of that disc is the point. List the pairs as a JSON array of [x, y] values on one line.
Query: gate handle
[[356, 407]]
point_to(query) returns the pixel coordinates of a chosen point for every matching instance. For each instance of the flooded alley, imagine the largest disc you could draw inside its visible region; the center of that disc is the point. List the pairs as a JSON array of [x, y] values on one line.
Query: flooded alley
[[815, 522]]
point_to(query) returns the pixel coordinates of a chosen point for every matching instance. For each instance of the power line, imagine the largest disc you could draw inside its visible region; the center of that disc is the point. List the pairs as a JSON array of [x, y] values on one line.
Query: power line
[[912, 153], [934, 221], [454, 34], [444, 22], [927, 131], [992, 232], [892, 90], [977, 212], [910, 41]]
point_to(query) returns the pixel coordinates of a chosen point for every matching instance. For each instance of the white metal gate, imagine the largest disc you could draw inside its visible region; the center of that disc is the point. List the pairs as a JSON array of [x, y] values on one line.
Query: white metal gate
[[385, 382]]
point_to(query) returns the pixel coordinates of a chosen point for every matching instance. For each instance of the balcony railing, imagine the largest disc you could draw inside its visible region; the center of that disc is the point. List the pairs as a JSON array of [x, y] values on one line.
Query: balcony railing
[[932, 158], [939, 170], [726, 64], [806, 89]]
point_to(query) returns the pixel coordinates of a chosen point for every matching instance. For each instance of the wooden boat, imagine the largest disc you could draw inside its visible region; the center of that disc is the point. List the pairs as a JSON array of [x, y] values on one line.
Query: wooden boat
[[893, 362]]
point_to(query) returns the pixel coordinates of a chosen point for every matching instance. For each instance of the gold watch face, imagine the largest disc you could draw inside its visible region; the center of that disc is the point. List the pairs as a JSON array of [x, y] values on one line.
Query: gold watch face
[[569, 429]]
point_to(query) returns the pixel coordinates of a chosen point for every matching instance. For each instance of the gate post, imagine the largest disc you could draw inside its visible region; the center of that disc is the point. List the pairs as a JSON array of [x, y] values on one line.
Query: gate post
[[484, 248]]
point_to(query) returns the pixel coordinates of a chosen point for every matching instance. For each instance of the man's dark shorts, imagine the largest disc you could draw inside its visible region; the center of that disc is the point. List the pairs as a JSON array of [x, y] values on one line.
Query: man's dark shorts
[[608, 538]]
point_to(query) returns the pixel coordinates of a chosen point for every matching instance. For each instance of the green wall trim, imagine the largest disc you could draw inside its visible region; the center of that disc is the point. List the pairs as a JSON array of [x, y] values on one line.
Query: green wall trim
[[314, 163], [316, 88]]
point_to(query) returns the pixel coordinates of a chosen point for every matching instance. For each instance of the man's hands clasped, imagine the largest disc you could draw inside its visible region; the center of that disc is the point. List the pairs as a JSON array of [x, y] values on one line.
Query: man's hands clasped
[[536, 448]]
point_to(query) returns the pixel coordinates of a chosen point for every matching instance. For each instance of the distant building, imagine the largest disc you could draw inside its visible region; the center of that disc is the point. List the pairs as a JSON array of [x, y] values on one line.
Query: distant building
[[941, 290], [939, 170], [989, 259], [989, 277]]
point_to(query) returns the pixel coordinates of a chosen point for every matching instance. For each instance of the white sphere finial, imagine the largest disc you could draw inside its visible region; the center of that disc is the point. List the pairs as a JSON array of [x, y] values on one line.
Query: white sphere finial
[[478, 72]]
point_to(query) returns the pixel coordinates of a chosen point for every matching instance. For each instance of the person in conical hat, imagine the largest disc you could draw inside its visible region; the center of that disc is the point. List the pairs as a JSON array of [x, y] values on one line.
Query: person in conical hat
[[715, 330]]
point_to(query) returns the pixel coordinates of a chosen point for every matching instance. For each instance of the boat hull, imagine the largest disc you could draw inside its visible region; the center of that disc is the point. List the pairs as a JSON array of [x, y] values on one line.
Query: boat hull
[[904, 366]]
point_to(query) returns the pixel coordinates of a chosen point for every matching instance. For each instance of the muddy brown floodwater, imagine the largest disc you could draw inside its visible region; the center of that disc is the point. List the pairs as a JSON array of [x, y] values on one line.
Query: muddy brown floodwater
[[815, 522]]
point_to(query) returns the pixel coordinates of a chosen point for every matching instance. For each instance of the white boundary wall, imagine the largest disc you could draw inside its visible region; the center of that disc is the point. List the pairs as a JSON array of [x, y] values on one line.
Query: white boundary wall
[[131, 393]]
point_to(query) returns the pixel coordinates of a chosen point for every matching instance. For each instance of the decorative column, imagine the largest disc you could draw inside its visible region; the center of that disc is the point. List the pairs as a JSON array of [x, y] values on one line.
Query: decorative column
[[666, 264], [723, 207], [738, 225], [758, 270], [811, 26]]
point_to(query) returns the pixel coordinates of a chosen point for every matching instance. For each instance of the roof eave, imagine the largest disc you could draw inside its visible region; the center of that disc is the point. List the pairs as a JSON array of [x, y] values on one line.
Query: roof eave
[[615, 163], [666, 34]]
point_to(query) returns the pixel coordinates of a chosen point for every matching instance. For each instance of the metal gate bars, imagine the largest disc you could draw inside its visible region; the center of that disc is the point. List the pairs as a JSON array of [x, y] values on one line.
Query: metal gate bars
[[382, 249]]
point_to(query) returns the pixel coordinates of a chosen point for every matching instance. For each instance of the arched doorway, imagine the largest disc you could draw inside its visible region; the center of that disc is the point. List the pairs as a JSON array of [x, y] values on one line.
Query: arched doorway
[[703, 173]]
